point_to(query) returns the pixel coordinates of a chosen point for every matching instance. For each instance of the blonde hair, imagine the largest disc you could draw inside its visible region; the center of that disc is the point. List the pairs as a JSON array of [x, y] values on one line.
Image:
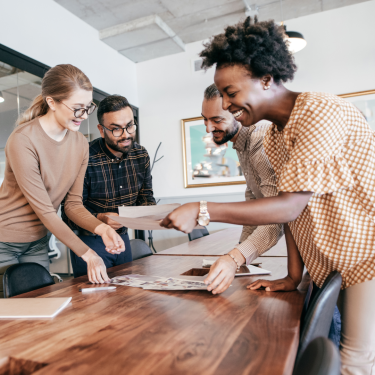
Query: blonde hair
[[58, 83]]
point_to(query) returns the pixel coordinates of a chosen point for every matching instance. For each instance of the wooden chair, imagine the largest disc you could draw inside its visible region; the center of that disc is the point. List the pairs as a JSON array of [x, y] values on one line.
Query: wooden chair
[[25, 277], [321, 357]]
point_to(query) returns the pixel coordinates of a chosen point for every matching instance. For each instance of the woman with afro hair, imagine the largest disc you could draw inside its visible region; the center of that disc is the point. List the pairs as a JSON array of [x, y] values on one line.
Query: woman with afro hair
[[323, 153]]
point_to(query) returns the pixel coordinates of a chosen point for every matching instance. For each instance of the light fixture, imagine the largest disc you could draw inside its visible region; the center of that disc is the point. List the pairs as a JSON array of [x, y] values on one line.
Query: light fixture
[[296, 41], [1, 97]]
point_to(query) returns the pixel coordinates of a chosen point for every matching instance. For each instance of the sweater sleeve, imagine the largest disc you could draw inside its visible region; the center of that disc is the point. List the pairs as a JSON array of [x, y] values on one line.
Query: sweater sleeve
[[74, 208], [24, 162]]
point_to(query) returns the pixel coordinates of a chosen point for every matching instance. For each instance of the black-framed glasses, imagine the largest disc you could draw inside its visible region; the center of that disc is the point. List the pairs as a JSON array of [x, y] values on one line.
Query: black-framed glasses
[[79, 112], [118, 132]]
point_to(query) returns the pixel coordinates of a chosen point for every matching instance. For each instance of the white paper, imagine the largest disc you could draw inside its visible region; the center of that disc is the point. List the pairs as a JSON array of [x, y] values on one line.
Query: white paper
[[160, 211], [140, 223], [26, 308], [254, 271]]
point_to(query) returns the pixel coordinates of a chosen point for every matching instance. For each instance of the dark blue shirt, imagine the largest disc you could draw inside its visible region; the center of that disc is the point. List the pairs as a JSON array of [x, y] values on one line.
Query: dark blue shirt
[[111, 182]]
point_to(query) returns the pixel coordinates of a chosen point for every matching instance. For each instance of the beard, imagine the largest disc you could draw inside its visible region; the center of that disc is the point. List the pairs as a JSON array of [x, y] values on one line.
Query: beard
[[228, 134], [114, 145]]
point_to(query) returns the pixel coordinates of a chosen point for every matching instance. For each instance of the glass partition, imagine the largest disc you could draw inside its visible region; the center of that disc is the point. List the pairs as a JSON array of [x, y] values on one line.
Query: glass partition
[[17, 90]]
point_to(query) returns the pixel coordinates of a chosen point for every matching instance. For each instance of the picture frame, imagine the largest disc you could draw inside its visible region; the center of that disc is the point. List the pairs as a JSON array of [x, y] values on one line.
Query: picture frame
[[205, 163], [365, 102]]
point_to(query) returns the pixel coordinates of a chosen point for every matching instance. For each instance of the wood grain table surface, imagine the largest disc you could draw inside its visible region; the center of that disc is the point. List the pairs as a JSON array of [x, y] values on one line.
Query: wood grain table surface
[[219, 243], [136, 331]]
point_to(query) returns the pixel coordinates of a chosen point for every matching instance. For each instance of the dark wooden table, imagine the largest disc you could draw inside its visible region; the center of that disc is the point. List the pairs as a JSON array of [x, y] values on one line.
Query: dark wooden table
[[135, 331], [217, 244]]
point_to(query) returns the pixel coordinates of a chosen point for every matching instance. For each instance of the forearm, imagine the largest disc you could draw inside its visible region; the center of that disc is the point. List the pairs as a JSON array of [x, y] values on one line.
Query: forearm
[[281, 209], [295, 263]]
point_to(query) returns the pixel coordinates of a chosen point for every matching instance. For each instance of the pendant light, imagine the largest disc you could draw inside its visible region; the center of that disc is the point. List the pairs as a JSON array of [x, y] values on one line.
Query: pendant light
[[1, 97], [296, 40]]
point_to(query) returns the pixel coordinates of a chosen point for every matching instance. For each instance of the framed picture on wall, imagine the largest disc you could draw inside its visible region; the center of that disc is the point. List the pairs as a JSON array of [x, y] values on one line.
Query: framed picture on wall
[[365, 102], [205, 163]]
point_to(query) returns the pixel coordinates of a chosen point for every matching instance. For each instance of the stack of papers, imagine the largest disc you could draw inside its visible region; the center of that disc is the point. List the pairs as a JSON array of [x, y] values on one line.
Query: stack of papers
[[158, 283], [144, 217]]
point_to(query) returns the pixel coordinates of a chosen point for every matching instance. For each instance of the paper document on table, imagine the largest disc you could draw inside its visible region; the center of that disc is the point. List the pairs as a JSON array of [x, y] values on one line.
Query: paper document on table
[[26, 308], [250, 270], [158, 283]]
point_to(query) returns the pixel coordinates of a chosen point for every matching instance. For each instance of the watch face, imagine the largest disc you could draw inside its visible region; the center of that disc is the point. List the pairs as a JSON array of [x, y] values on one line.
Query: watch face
[[203, 220]]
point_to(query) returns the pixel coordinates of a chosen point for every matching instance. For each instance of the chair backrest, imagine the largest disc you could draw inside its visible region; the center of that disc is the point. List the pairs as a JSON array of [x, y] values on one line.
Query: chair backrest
[[321, 357], [318, 318], [140, 249], [198, 233], [25, 277]]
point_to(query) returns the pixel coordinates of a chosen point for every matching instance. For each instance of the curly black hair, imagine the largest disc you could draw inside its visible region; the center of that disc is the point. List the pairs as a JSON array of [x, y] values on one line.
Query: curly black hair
[[259, 46]]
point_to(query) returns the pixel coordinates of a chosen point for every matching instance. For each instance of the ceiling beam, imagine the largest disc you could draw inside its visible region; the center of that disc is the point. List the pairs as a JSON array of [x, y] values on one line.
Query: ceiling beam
[[138, 24]]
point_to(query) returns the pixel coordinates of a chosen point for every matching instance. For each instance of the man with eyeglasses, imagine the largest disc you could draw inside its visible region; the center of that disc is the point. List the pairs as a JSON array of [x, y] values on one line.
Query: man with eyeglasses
[[118, 174]]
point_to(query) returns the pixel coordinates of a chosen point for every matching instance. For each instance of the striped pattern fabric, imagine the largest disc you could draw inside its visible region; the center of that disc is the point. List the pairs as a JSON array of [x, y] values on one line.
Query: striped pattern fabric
[[111, 182], [260, 183], [328, 148]]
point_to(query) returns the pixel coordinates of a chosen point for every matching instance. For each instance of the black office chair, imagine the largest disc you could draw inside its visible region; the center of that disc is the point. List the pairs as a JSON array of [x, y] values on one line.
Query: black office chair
[[318, 317], [198, 233], [25, 277], [321, 357], [139, 249]]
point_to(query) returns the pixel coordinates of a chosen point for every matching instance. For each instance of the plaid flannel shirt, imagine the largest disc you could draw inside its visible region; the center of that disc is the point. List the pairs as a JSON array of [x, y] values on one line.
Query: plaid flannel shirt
[[111, 182]]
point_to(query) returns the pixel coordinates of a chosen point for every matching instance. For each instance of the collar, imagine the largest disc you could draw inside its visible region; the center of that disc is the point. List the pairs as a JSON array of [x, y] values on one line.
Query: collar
[[108, 153], [242, 138]]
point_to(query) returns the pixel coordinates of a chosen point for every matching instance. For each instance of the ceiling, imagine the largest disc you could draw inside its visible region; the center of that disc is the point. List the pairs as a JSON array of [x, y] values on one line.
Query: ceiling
[[146, 29]]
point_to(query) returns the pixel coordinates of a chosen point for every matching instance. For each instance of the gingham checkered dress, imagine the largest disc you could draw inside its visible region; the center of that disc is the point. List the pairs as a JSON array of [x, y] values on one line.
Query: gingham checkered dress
[[327, 147]]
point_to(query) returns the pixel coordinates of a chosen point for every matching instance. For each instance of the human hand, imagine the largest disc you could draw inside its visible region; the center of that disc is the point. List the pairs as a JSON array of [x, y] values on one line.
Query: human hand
[[112, 240], [183, 218], [286, 284], [104, 217], [221, 275], [96, 270]]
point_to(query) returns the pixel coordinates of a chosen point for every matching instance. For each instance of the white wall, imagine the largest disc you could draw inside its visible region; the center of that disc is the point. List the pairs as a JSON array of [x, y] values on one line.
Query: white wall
[[339, 58], [340, 54], [45, 31]]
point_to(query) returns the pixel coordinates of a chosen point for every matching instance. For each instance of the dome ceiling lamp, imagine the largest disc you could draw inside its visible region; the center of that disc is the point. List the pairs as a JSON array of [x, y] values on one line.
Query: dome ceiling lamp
[[296, 40]]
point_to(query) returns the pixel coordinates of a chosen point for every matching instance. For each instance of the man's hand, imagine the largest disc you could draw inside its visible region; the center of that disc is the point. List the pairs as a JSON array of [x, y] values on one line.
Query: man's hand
[[222, 272], [112, 240], [96, 271], [104, 217], [286, 284], [183, 218]]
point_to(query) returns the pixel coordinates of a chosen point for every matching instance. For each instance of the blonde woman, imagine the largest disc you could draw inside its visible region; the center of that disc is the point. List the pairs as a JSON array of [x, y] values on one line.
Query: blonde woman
[[46, 160]]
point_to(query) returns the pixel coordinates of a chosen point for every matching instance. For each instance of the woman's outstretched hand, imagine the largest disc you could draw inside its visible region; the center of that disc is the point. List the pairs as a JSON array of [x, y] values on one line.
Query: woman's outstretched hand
[[183, 218], [96, 270], [113, 242], [286, 284]]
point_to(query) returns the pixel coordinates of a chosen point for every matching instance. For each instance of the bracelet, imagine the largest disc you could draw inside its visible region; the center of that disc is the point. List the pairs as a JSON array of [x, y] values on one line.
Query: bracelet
[[235, 261]]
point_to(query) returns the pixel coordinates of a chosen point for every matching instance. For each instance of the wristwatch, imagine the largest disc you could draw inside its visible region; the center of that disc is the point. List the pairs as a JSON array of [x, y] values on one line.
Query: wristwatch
[[204, 216]]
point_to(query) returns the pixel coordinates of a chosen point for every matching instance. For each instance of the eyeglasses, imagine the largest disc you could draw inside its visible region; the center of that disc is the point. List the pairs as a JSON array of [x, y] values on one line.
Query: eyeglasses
[[118, 132], [79, 112]]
